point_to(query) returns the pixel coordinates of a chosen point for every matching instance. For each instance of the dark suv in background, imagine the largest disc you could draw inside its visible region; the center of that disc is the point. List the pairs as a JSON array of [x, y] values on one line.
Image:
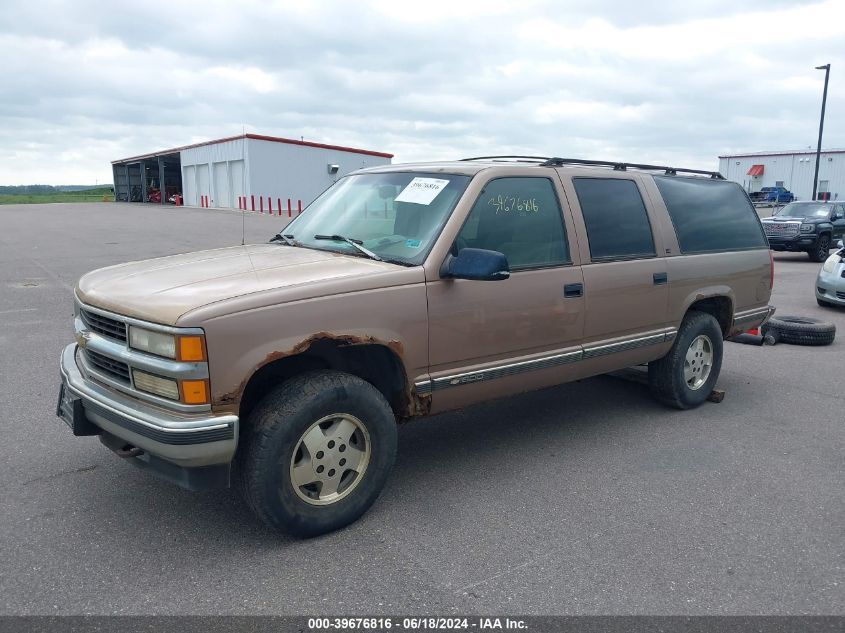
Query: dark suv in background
[[812, 227]]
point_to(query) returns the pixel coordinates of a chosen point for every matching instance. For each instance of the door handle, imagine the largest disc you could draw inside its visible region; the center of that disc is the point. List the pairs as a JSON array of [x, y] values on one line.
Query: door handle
[[573, 290], [660, 278]]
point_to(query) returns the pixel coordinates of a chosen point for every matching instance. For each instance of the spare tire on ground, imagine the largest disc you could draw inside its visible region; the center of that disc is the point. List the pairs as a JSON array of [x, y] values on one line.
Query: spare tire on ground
[[797, 330]]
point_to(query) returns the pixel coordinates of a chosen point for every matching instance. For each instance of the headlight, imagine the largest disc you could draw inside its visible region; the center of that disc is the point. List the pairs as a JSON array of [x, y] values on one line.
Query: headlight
[[807, 228], [152, 342], [831, 263], [183, 347]]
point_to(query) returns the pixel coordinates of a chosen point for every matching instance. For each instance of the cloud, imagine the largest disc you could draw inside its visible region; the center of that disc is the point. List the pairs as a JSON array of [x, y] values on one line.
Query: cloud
[[649, 82]]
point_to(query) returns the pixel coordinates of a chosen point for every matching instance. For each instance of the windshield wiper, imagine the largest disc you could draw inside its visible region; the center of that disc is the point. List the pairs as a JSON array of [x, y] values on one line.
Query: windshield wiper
[[288, 239], [351, 242]]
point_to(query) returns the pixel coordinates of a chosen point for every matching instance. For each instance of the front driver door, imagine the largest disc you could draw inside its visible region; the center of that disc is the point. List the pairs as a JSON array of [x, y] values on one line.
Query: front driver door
[[492, 338]]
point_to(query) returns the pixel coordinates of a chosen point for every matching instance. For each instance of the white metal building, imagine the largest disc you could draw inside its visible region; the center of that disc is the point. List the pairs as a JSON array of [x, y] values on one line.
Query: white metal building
[[250, 171], [793, 170]]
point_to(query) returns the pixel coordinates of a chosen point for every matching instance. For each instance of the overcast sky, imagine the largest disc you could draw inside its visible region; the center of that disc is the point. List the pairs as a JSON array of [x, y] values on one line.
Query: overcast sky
[[84, 83]]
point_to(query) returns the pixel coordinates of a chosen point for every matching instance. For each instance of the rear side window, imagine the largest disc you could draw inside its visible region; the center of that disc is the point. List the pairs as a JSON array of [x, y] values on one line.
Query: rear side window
[[616, 219], [710, 215]]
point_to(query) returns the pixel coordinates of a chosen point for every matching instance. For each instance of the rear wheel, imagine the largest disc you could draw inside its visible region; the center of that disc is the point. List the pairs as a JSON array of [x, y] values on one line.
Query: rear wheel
[[316, 452], [821, 250], [687, 374]]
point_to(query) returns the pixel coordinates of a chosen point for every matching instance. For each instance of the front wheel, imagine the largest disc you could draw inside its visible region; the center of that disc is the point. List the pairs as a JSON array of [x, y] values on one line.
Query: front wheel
[[687, 374], [821, 250], [316, 452]]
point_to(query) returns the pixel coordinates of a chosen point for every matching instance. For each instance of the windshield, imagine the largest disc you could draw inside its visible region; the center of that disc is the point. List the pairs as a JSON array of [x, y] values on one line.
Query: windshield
[[804, 210], [397, 215]]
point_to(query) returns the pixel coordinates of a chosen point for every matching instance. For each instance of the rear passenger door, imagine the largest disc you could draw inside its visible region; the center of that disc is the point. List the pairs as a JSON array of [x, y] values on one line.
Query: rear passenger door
[[626, 287]]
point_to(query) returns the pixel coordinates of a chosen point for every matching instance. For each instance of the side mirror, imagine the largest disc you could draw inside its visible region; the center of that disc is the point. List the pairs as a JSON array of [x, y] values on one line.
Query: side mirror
[[477, 264]]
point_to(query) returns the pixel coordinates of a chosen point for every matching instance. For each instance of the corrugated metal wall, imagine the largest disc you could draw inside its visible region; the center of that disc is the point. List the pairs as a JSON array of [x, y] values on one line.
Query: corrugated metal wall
[[281, 171], [268, 171], [795, 171]]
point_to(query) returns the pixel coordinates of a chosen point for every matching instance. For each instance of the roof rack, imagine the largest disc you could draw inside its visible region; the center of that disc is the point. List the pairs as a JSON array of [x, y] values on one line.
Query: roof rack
[[504, 158], [543, 161], [669, 171]]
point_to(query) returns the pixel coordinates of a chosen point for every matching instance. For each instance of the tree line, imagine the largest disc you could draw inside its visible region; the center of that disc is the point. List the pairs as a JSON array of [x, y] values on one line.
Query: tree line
[[47, 189]]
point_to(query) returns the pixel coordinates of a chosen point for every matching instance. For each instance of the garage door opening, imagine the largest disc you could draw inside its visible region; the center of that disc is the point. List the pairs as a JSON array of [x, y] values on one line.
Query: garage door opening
[[154, 179]]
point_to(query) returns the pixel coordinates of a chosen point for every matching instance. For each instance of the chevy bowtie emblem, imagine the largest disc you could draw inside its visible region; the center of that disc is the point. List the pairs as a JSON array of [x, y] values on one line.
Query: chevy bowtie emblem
[[82, 338]]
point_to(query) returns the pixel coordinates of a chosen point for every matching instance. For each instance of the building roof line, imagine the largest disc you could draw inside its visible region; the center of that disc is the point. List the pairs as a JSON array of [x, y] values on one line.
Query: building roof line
[[782, 153], [257, 137]]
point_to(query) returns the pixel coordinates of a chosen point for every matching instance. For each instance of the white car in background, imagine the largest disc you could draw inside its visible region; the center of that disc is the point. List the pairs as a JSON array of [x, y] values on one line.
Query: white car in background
[[830, 284]]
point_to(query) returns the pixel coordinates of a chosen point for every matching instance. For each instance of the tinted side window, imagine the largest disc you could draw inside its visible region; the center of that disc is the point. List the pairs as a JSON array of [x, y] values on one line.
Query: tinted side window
[[521, 218], [710, 215], [616, 219]]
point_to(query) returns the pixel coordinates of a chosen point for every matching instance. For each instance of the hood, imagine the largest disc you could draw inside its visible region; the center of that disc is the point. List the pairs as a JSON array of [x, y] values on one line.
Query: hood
[[774, 218], [163, 289]]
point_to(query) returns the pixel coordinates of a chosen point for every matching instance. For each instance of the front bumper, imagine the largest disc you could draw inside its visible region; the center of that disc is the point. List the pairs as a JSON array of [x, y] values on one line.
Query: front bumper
[[830, 287], [801, 242], [182, 447], [750, 319]]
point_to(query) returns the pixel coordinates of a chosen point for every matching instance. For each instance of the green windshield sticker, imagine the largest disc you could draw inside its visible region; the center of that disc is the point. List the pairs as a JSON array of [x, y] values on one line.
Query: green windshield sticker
[[412, 243], [514, 204]]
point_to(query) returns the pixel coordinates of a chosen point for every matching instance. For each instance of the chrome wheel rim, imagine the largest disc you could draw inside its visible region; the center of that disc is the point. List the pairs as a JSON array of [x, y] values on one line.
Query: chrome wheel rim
[[330, 459], [698, 362]]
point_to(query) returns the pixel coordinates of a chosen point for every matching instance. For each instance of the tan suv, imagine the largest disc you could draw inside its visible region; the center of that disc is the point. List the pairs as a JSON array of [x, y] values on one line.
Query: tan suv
[[404, 291]]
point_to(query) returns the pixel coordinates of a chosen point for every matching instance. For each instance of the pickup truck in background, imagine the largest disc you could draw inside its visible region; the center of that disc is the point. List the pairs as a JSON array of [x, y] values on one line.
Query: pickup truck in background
[[772, 195]]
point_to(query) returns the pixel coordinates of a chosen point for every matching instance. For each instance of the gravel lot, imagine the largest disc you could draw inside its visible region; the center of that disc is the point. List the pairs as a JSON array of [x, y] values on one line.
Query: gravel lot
[[587, 498]]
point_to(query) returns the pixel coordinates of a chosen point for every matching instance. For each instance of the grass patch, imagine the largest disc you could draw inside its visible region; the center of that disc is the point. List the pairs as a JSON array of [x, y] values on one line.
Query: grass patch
[[88, 195]]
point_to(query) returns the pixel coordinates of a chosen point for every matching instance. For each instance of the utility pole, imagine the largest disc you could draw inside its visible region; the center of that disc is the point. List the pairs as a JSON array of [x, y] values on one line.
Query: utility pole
[[826, 69]]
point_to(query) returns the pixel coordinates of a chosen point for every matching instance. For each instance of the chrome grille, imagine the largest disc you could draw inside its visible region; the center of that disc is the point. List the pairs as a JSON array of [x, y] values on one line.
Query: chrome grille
[[840, 294], [104, 325], [104, 354], [112, 368], [781, 229]]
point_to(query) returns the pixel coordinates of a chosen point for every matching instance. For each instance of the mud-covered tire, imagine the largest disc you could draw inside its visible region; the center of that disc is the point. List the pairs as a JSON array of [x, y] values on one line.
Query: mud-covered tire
[[800, 330], [666, 376], [277, 427], [821, 250]]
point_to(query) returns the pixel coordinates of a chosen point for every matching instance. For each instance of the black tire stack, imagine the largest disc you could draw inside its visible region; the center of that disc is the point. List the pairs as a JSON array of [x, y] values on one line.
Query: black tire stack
[[800, 330]]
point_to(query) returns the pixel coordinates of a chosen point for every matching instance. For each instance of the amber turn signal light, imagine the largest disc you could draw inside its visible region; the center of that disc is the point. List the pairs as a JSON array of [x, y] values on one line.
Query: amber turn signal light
[[191, 348], [195, 391]]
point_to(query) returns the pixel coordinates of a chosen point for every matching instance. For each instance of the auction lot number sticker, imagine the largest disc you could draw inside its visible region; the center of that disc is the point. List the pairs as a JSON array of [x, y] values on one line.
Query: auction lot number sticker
[[422, 190]]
